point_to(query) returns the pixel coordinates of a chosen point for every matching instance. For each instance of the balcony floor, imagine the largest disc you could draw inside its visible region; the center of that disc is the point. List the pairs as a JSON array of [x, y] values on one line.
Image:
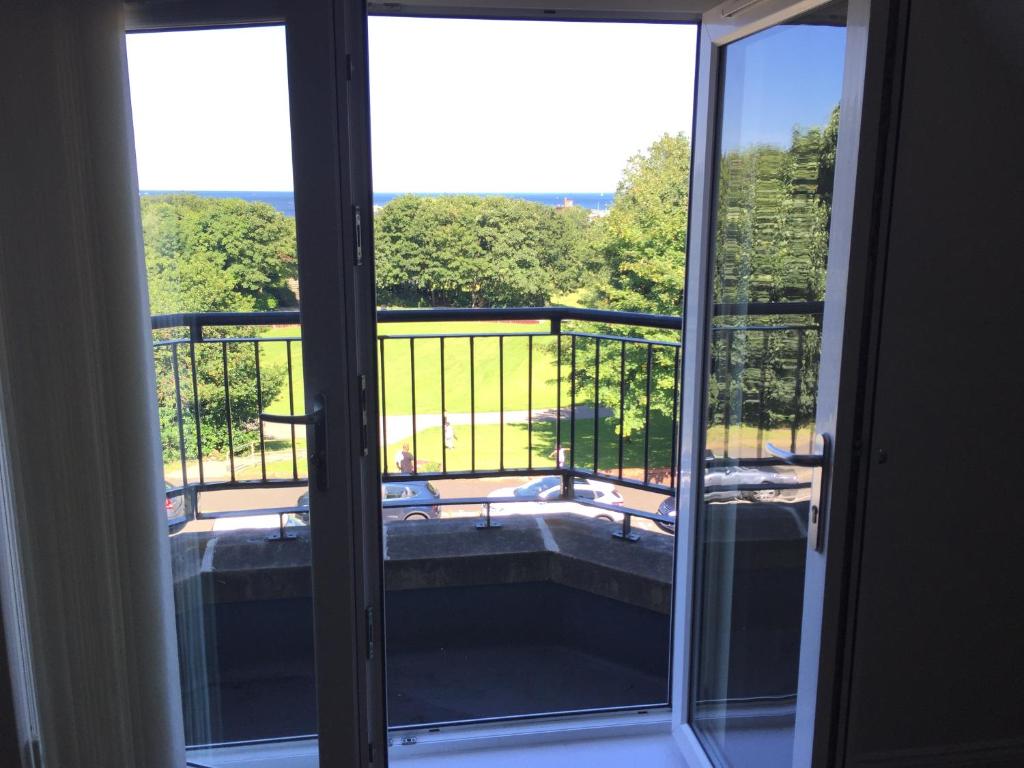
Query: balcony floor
[[493, 681]]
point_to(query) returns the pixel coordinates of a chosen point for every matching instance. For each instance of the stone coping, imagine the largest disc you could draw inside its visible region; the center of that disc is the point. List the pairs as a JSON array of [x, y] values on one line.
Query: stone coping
[[564, 548]]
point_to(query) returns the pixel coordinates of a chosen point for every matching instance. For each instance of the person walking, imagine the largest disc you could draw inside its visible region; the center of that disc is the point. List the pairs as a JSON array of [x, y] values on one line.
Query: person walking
[[405, 461], [559, 454], [449, 434]]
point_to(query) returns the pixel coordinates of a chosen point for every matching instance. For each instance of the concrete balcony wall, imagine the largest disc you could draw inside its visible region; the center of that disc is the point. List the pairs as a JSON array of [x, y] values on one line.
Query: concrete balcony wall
[[546, 613]]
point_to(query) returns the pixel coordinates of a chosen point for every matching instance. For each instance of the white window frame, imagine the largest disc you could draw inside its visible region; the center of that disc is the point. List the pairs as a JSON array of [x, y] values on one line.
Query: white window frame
[[861, 156], [852, 220]]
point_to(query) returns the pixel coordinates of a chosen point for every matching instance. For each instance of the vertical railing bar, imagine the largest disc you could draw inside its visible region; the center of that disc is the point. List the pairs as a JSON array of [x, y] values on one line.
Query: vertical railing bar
[[195, 394], [412, 394], [472, 405], [764, 393], [383, 410], [797, 387], [727, 416], [444, 416], [259, 408], [291, 408], [529, 402], [501, 402], [647, 415], [178, 410], [227, 409], [558, 394], [676, 359], [597, 398], [572, 403], [622, 401]]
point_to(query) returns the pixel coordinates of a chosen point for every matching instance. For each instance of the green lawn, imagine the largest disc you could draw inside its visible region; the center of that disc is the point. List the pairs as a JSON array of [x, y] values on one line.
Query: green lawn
[[488, 446], [397, 388], [399, 360]]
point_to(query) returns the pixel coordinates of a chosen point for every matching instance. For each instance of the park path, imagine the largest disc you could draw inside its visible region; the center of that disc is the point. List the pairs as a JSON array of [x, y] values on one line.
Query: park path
[[401, 427]]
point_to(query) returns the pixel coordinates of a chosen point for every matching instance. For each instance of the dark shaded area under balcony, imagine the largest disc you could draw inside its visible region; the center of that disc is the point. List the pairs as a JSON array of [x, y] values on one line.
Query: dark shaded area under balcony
[[548, 613]]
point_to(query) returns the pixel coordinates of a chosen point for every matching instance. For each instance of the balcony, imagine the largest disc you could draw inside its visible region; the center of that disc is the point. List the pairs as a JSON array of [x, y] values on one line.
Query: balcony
[[500, 581]]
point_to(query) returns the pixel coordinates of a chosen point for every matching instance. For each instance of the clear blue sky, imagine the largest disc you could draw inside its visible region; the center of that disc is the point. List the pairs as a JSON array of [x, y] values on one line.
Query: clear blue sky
[[781, 78]]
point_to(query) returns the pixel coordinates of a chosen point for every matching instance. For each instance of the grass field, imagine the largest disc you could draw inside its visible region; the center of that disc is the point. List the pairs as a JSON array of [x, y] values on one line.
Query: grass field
[[397, 390], [488, 449]]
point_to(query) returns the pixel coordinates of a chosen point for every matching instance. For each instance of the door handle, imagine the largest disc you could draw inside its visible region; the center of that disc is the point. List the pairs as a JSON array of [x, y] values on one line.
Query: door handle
[[316, 448], [821, 462]]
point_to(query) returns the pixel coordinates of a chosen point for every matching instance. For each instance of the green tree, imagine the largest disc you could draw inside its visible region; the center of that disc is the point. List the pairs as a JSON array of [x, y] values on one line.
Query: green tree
[[772, 222], [476, 251], [642, 246], [206, 254], [214, 255]]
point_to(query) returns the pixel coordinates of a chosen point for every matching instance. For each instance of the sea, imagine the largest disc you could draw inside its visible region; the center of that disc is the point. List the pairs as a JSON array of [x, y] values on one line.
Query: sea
[[285, 202]]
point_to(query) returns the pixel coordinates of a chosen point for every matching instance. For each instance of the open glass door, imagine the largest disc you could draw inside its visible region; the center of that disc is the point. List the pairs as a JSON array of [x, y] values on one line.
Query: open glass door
[[260, 299], [779, 100]]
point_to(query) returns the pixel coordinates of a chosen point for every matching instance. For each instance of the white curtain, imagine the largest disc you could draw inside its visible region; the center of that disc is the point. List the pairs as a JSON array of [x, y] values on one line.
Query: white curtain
[[83, 532]]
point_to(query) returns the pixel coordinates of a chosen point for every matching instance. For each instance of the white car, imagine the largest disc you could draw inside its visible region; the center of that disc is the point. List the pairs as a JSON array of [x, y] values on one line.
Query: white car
[[545, 495]]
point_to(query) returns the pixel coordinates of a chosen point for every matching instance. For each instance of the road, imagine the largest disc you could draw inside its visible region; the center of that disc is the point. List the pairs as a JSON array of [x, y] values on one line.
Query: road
[[264, 498]]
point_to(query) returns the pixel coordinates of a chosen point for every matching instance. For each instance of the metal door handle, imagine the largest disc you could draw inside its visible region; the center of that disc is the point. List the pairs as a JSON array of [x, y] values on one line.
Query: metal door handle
[[797, 459], [821, 462], [316, 449]]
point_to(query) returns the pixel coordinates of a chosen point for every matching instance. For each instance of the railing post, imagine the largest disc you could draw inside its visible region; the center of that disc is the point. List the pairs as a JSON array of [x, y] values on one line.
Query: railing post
[[487, 522], [192, 502], [568, 486], [626, 534], [280, 535]]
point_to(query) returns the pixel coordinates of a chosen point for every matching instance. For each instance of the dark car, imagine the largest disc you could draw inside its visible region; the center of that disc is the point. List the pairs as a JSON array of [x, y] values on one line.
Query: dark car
[[777, 484], [174, 506], [407, 500]]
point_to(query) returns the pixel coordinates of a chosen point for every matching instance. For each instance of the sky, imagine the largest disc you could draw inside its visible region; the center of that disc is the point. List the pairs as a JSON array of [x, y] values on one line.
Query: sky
[[781, 78], [461, 105], [456, 105]]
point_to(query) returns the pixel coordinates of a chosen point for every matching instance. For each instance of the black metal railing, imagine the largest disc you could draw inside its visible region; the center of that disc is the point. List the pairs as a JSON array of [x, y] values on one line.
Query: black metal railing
[[613, 377]]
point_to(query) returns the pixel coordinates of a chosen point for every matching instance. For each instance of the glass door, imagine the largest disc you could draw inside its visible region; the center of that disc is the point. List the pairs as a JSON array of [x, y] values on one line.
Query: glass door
[[248, 159], [766, 300]]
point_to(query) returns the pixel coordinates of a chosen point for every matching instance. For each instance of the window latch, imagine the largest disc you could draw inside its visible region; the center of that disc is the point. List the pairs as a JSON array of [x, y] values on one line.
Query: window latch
[[316, 443], [364, 418], [357, 224]]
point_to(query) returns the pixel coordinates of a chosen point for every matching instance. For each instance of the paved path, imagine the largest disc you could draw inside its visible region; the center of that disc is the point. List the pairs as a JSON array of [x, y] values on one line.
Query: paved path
[[401, 427]]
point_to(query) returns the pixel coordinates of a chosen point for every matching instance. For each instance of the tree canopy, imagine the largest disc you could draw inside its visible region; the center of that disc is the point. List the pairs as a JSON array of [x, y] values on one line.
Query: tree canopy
[[206, 254], [477, 251]]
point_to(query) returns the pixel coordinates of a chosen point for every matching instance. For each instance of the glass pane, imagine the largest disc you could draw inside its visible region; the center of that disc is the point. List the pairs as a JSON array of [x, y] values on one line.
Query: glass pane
[[778, 128], [213, 146], [516, 167]]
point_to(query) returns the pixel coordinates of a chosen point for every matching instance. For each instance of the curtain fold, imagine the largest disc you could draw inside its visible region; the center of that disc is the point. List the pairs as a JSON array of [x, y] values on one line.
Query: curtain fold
[[83, 504]]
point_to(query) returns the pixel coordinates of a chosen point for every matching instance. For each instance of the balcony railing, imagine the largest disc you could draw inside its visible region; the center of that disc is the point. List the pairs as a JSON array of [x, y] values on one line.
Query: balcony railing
[[602, 385]]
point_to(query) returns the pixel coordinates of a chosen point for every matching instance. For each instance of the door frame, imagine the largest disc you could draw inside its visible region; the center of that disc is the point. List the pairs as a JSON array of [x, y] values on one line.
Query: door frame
[[863, 157], [327, 91]]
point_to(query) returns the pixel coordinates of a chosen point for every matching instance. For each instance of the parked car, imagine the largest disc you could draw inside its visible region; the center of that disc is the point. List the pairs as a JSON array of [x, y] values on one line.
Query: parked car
[[407, 500], [780, 484], [545, 496], [174, 506]]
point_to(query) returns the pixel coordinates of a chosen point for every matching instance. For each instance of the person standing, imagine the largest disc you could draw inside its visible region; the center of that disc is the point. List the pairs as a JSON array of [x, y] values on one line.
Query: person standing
[[449, 434]]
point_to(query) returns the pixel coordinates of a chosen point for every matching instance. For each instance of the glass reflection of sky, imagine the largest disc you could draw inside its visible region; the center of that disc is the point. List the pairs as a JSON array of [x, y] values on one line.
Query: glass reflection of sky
[[780, 79]]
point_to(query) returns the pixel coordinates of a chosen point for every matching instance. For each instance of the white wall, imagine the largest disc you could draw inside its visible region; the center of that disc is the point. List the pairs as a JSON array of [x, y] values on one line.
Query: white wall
[[938, 638]]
